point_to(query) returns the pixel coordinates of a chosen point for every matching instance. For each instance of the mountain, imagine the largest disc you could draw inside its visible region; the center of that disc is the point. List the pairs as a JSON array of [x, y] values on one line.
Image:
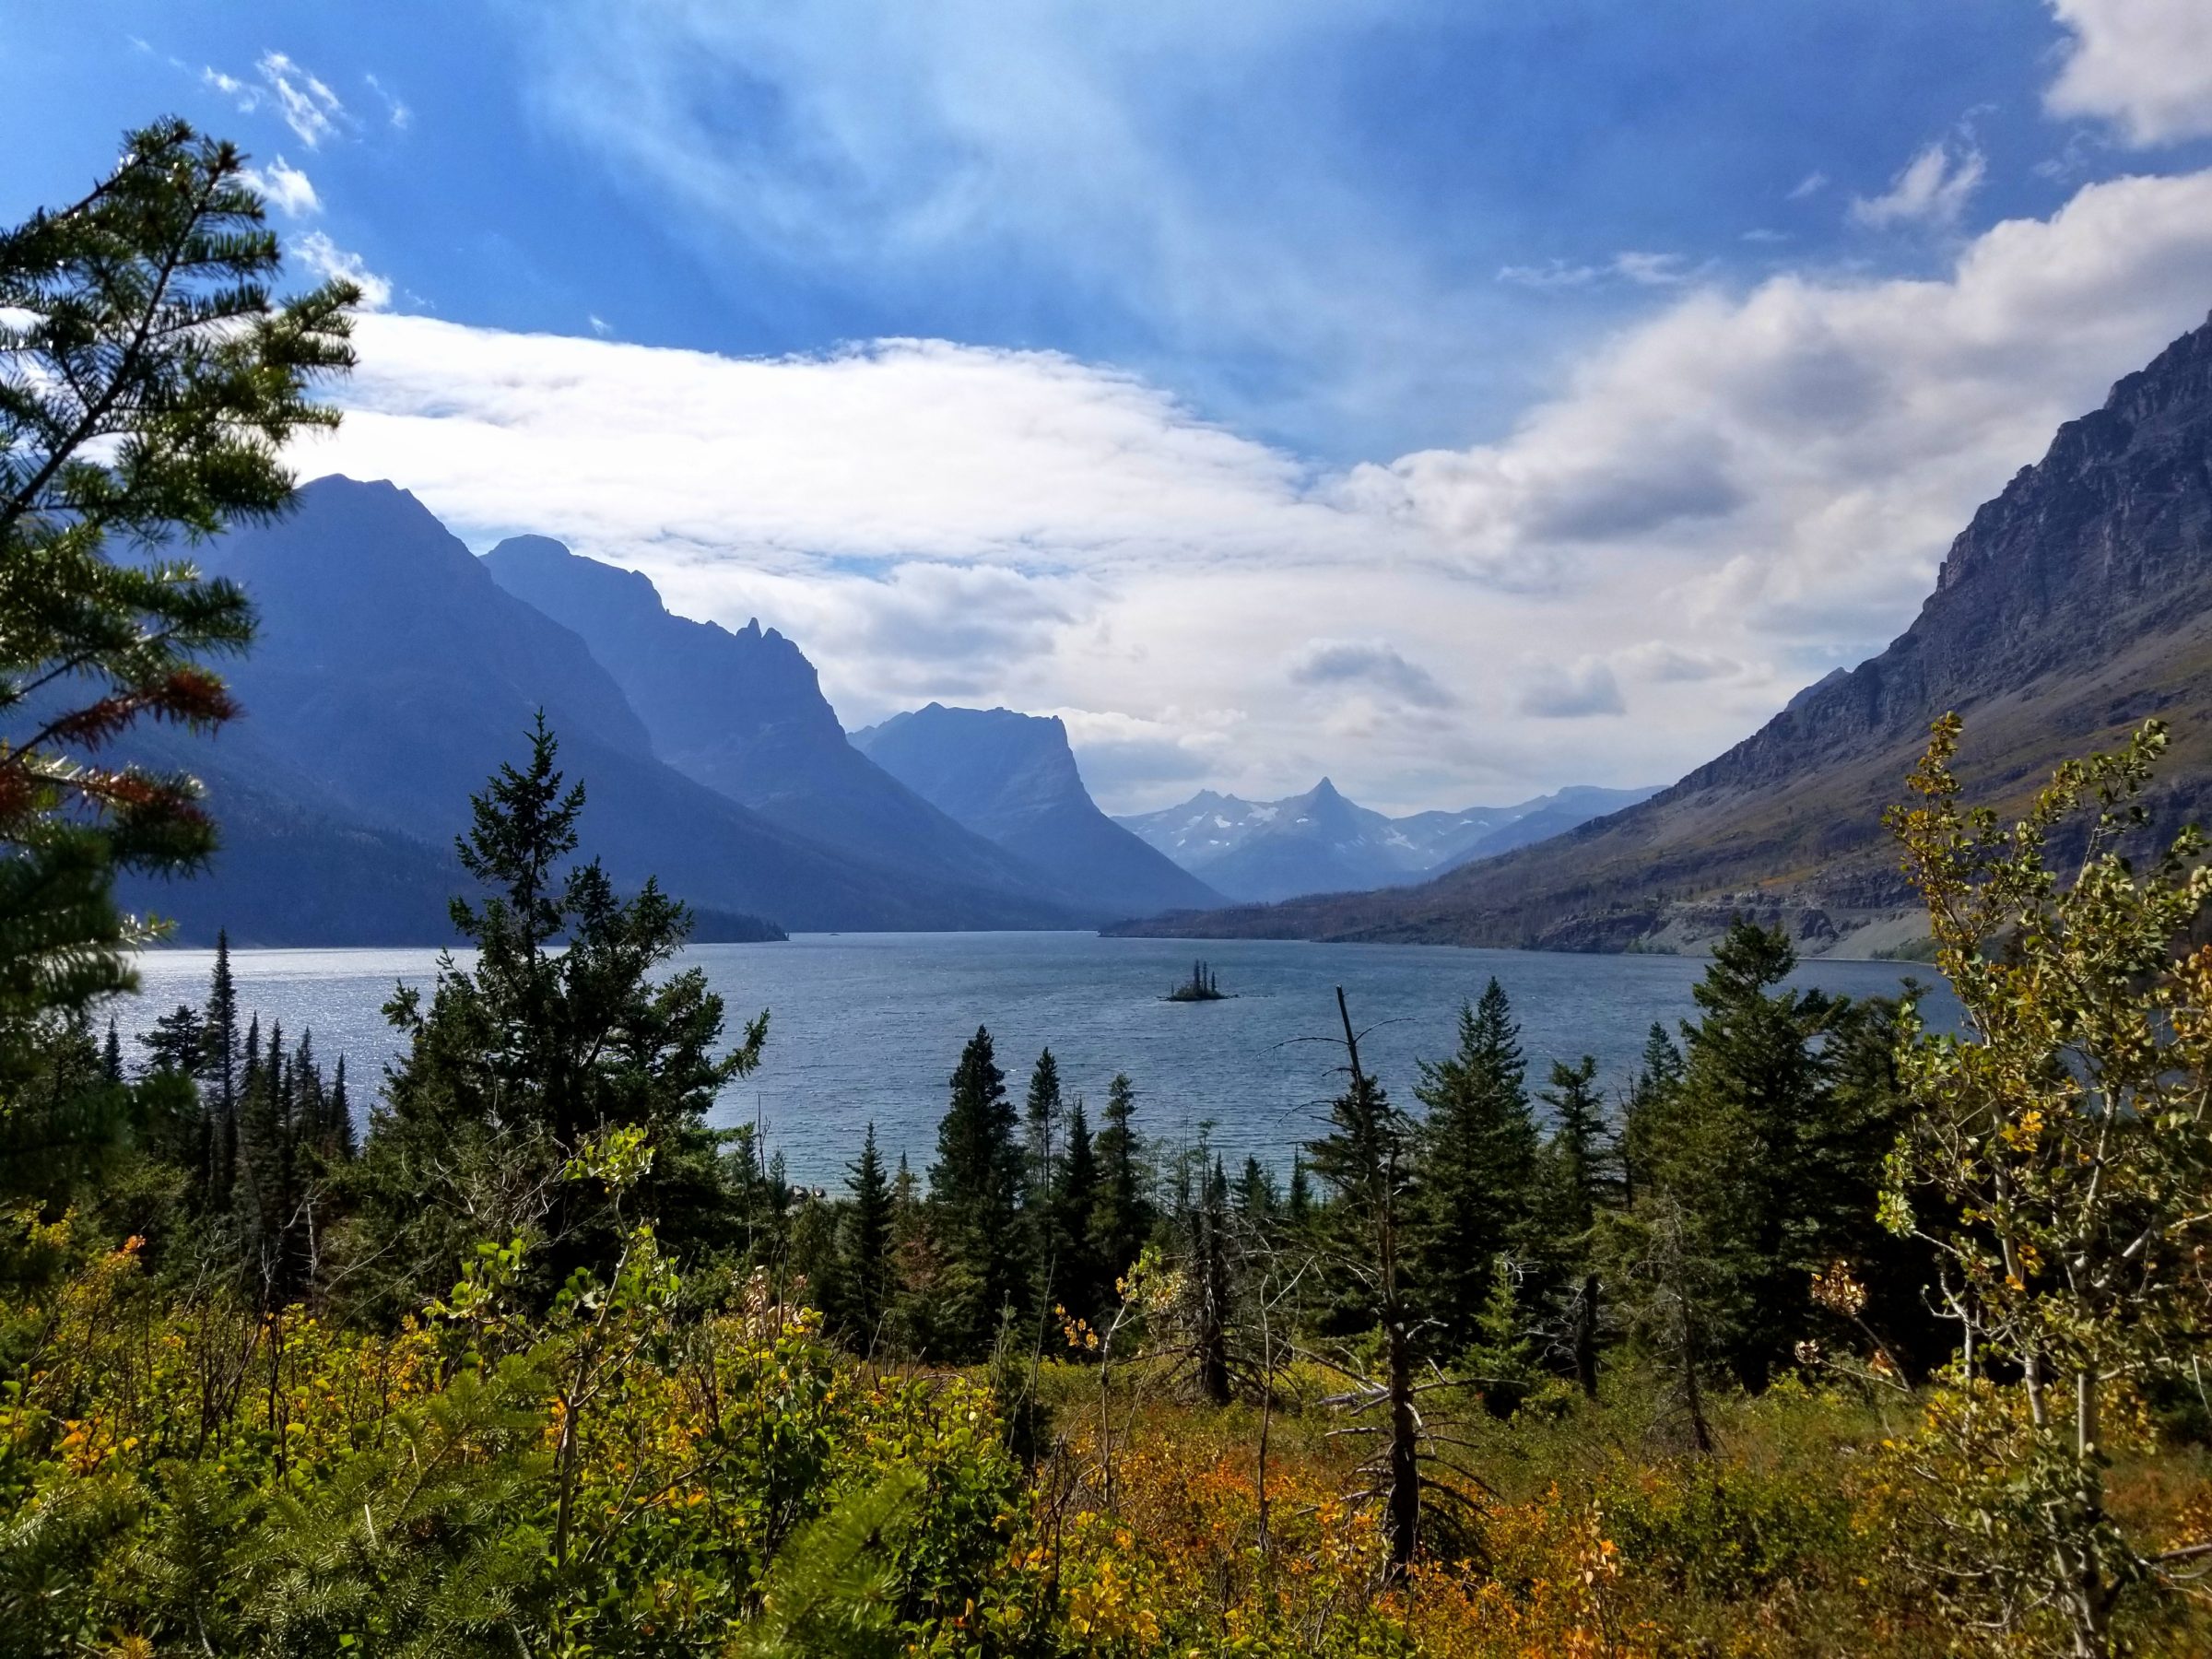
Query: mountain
[[2075, 605], [744, 715], [393, 675], [1322, 842], [1013, 780]]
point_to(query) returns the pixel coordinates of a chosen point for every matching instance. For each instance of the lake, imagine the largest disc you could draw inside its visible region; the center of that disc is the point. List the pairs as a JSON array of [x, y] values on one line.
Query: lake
[[868, 1026]]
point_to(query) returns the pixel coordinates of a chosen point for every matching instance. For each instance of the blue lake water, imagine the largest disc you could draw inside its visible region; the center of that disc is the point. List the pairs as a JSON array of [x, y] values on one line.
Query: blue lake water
[[868, 1026]]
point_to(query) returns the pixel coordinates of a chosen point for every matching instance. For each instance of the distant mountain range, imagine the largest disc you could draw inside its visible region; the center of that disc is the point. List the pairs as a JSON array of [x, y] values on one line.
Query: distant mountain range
[[1322, 842], [2075, 605], [1012, 779]]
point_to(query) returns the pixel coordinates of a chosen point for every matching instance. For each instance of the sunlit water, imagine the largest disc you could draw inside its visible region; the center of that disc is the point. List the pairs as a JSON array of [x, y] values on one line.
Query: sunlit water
[[868, 1026]]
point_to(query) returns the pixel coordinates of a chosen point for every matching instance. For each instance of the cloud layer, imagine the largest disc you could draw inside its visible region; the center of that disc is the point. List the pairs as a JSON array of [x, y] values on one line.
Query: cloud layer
[[2144, 64]]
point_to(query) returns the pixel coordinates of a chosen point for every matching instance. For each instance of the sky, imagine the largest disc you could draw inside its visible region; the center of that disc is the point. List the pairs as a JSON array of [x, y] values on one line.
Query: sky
[[1460, 400]]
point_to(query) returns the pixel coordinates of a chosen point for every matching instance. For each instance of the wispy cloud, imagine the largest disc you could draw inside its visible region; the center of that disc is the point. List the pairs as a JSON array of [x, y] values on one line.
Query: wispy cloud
[[1933, 189], [327, 260], [300, 97], [397, 116], [285, 188], [1812, 185], [1643, 270]]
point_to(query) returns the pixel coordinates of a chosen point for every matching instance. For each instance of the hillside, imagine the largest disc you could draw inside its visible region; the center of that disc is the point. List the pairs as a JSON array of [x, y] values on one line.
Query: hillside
[[2074, 605]]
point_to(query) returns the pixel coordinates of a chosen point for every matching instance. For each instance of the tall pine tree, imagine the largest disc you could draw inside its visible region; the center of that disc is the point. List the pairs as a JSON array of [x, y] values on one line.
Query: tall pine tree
[[975, 1195], [1478, 1150]]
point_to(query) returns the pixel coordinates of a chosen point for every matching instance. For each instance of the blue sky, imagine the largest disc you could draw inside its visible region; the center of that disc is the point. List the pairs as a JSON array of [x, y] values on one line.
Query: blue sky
[[1615, 367]]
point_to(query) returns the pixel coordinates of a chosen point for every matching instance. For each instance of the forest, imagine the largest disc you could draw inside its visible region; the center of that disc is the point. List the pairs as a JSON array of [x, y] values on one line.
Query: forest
[[1828, 1334]]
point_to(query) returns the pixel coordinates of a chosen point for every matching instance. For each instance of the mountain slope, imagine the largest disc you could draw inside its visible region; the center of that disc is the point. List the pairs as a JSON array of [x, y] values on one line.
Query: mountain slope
[[1013, 780], [395, 674], [2075, 605], [744, 715]]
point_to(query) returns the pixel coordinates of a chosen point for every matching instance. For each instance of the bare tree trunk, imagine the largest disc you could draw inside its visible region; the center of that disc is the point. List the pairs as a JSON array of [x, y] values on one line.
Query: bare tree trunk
[[1585, 1337], [1402, 1513]]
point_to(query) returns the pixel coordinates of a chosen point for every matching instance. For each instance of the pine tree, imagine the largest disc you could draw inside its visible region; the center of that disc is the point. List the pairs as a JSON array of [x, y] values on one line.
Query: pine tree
[[1658, 1078], [342, 1141], [1122, 1220], [1578, 1158], [1078, 1200], [219, 1063], [111, 1055], [1297, 1200], [1257, 1201], [177, 1043], [866, 1243], [149, 388], [557, 1032], [1743, 1146], [1478, 1150], [1041, 1209], [1574, 1184], [974, 1191]]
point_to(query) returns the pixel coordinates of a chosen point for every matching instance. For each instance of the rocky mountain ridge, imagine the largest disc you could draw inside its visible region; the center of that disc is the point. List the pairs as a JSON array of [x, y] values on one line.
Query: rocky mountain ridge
[[1323, 843]]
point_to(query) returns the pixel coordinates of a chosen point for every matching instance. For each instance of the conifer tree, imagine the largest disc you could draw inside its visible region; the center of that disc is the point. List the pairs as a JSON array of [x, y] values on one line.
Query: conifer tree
[[974, 1191], [1658, 1075], [1257, 1201], [1041, 1209], [1575, 1185], [1478, 1150], [866, 1243], [148, 386], [1078, 1201], [1745, 1148], [1297, 1198], [176, 1045], [556, 1033], [342, 1139], [218, 1064], [1123, 1218]]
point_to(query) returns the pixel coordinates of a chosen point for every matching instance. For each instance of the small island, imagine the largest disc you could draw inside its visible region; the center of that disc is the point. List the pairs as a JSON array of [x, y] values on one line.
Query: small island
[[1202, 986]]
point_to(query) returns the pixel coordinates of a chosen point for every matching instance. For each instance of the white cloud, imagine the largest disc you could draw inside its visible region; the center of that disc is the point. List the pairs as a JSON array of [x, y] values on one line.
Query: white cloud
[[396, 113], [1571, 690], [600, 326], [1813, 183], [2144, 64], [248, 99], [1718, 503], [310, 109], [327, 260], [1933, 189], [1374, 664], [285, 188]]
